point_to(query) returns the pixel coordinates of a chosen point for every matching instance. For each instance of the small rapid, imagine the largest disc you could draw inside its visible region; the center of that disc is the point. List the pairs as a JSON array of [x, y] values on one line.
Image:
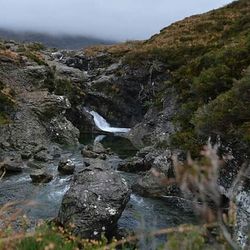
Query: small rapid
[[103, 125]]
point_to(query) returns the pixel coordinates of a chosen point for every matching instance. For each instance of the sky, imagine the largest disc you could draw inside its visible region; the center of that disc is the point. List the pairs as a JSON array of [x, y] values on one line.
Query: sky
[[107, 19]]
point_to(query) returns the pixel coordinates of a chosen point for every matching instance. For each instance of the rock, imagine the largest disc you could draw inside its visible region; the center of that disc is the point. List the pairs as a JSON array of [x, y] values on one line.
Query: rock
[[95, 151], [66, 167], [89, 154], [5, 145], [40, 176], [42, 156], [187, 206], [163, 163], [153, 184], [26, 155], [99, 149], [145, 160], [74, 73], [134, 165], [11, 165], [94, 202], [35, 165], [63, 131], [38, 72]]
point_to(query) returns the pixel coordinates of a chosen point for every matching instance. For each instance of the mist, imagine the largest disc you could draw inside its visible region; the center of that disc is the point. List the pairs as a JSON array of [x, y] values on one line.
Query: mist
[[106, 19]]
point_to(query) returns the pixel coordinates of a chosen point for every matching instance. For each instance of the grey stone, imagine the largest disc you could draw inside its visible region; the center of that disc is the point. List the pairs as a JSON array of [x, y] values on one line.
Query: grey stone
[[66, 167], [40, 176], [94, 202]]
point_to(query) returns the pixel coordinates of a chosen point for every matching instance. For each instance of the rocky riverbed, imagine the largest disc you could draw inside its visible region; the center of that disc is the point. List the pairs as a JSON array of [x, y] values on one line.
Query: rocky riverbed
[[139, 215]]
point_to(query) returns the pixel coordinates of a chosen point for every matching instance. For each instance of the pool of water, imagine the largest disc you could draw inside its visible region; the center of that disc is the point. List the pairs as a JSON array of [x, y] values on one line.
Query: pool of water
[[119, 145]]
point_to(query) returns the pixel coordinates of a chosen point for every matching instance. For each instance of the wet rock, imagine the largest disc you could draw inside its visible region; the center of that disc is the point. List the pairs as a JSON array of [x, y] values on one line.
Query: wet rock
[[134, 165], [35, 165], [94, 202], [89, 154], [11, 165], [154, 184], [40, 176], [5, 145], [95, 151], [187, 206], [43, 156], [26, 155], [39, 148], [99, 149], [66, 167]]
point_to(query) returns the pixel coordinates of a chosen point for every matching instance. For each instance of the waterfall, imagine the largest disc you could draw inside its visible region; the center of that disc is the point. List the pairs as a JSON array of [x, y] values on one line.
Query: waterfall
[[103, 125]]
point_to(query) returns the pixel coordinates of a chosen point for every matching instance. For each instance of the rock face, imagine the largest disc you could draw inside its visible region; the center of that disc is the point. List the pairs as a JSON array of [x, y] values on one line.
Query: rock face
[[94, 202], [39, 117], [95, 151], [156, 127]]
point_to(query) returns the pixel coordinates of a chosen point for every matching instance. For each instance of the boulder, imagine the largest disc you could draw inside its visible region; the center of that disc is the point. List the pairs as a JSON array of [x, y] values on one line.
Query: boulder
[[153, 184], [99, 149], [41, 176], [95, 151], [66, 167], [33, 165], [134, 165], [89, 154], [94, 202], [43, 156], [11, 165], [26, 155]]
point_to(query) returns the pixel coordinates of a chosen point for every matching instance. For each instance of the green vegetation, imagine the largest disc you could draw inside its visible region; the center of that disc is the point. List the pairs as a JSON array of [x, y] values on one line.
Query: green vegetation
[[6, 104], [206, 56], [48, 237], [35, 57], [63, 86]]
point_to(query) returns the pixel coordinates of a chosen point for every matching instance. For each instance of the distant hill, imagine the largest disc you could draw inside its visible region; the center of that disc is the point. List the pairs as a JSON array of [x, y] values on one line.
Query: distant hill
[[57, 41]]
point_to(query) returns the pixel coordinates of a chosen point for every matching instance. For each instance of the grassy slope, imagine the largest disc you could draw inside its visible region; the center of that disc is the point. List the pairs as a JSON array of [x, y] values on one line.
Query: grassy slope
[[207, 56]]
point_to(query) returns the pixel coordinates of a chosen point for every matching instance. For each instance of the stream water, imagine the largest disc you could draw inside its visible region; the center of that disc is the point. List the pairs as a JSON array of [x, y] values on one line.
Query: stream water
[[140, 214]]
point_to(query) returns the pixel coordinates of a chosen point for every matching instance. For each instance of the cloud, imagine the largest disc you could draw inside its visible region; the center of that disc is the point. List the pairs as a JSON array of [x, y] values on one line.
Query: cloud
[[108, 19]]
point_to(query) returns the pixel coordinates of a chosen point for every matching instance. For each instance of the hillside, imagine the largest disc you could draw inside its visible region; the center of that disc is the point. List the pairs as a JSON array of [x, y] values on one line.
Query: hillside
[[206, 58]]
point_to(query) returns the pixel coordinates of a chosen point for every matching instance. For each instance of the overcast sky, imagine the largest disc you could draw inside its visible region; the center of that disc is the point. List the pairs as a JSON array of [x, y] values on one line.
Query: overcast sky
[[109, 19]]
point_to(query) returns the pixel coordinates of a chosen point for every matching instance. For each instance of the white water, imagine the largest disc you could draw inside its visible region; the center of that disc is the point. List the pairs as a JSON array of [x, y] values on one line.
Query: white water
[[99, 138], [103, 125]]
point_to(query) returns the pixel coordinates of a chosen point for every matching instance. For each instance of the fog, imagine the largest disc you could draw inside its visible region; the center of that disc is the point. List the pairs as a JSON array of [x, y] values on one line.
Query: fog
[[106, 19]]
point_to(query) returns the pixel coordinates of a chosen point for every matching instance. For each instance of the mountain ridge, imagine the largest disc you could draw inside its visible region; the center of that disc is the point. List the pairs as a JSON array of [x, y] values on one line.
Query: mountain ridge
[[53, 41]]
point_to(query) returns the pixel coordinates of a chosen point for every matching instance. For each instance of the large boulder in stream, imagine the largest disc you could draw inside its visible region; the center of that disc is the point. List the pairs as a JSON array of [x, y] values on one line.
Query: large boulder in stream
[[94, 202], [41, 176], [66, 167]]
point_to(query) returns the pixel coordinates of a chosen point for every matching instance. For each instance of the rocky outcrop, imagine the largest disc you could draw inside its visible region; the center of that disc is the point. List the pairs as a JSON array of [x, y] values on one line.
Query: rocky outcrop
[[157, 126], [94, 202], [155, 167], [95, 151]]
